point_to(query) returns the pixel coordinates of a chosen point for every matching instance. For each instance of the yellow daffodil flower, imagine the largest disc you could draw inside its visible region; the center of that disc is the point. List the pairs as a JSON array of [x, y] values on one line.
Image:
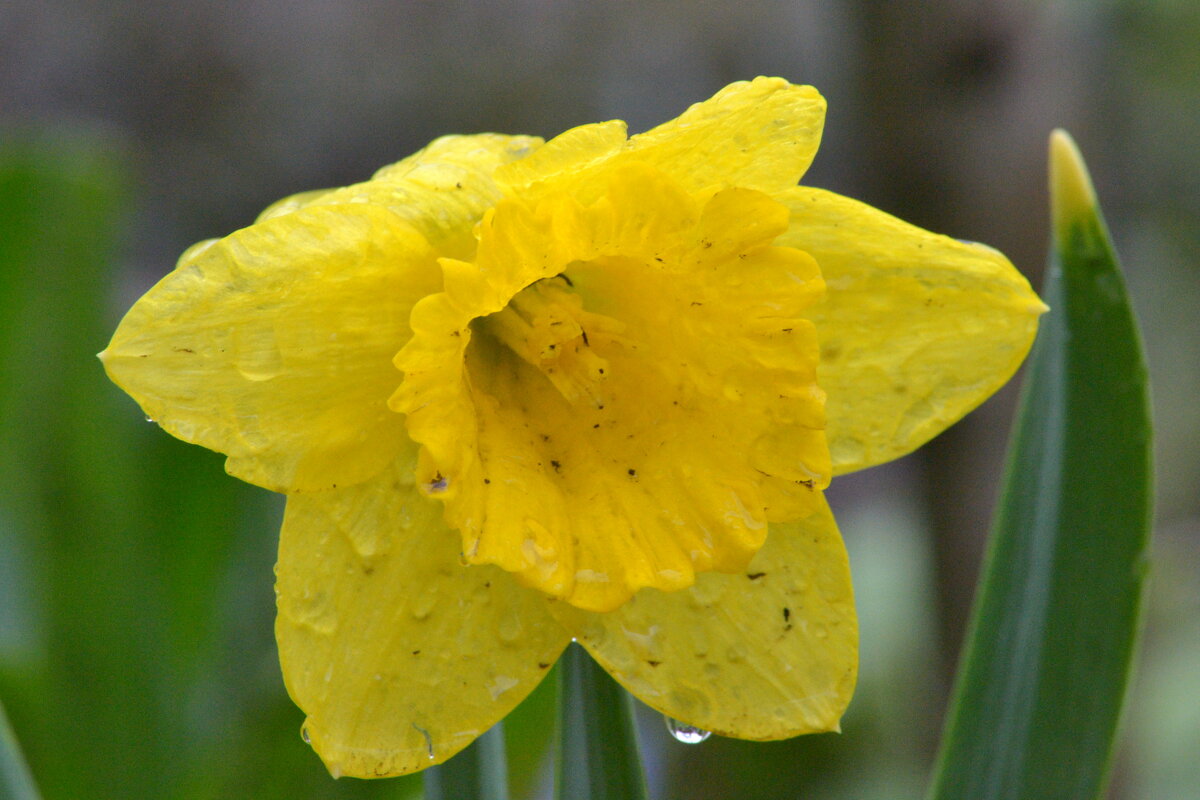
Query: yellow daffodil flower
[[522, 392]]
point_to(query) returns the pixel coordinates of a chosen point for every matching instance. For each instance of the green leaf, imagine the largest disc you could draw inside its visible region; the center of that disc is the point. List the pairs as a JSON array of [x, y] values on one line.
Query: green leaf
[[64, 475], [597, 748], [136, 655], [1040, 689], [479, 772], [15, 781], [529, 735]]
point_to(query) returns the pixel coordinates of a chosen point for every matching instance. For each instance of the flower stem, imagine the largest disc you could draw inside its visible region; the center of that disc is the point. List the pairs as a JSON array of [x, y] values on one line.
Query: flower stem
[[478, 773], [597, 744], [15, 779]]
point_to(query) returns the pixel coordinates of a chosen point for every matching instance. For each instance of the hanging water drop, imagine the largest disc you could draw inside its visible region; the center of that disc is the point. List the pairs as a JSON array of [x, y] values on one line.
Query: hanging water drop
[[688, 734], [428, 739], [304, 735]]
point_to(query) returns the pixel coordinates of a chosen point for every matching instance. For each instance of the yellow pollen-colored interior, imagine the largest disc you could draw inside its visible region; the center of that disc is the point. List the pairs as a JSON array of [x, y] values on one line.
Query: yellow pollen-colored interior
[[547, 327], [634, 397]]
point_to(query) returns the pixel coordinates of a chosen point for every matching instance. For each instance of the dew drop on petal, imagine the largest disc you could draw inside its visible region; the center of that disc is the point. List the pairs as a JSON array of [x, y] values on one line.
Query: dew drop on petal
[[688, 734], [256, 354], [428, 739], [510, 628], [314, 610], [304, 735], [501, 684], [423, 605], [979, 245]]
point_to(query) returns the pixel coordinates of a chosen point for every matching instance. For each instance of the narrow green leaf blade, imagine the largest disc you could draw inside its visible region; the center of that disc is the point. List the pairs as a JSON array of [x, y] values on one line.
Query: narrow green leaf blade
[[16, 782], [1044, 673], [479, 772], [597, 747]]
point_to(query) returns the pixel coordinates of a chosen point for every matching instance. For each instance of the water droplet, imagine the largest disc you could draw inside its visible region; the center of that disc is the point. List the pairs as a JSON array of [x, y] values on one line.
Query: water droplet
[[423, 605], [428, 739], [501, 684], [510, 628], [149, 419], [315, 610], [645, 643], [591, 576], [737, 514], [539, 548], [304, 735], [370, 541], [981, 246], [688, 734], [195, 250], [258, 357]]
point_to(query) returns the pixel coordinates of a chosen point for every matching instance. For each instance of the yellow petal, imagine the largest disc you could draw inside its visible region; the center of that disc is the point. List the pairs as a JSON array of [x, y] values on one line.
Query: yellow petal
[[566, 155], [766, 654], [640, 417], [399, 655], [916, 329], [274, 345], [293, 202], [443, 189], [761, 134]]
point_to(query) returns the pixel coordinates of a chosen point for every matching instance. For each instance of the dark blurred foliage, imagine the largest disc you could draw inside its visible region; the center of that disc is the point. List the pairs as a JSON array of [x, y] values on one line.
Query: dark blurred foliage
[[136, 654]]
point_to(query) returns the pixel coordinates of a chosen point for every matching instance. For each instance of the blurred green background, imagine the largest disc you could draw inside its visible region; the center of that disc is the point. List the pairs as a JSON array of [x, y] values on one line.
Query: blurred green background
[[136, 600]]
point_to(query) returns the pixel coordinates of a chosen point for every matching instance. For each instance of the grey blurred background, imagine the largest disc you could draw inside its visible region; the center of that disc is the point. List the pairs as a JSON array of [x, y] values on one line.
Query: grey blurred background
[[938, 112]]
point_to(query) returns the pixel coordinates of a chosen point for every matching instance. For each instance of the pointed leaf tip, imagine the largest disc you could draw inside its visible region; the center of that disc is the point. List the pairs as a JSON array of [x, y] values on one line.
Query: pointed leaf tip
[[1055, 626], [1071, 193]]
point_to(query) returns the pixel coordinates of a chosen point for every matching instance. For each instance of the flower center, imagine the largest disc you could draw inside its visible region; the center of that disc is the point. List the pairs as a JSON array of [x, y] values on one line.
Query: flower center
[[546, 326], [622, 394]]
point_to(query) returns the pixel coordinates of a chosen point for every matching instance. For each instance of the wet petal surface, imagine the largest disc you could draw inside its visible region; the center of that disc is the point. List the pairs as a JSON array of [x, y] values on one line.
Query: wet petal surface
[[765, 654], [916, 329], [623, 394], [759, 134], [399, 655], [443, 189], [274, 345]]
